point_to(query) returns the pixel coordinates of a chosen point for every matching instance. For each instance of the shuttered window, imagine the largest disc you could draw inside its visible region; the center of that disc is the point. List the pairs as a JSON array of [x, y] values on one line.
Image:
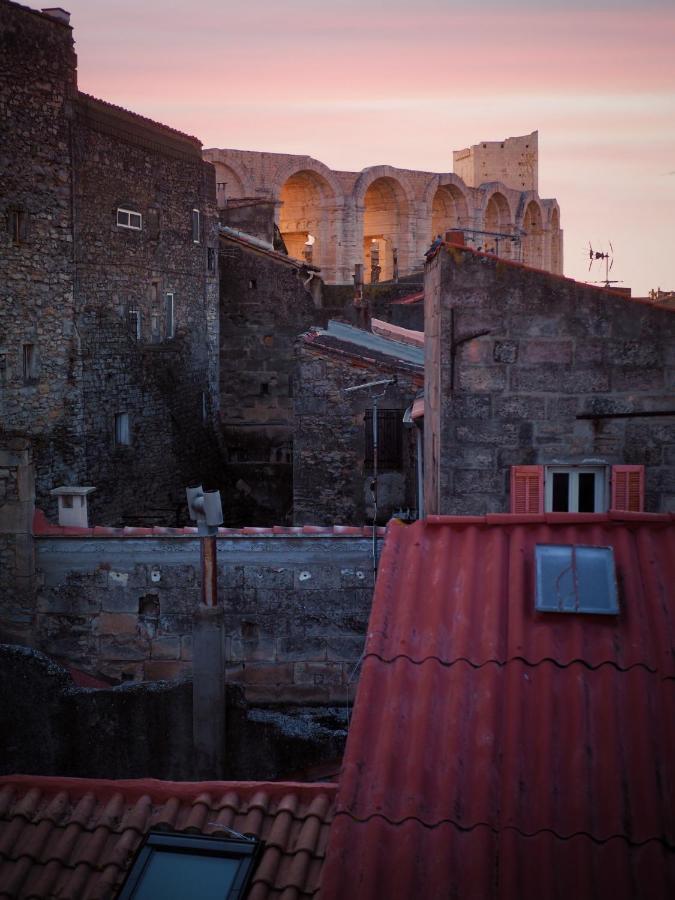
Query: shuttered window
[[527, 489], [628, 488], [389, 439]]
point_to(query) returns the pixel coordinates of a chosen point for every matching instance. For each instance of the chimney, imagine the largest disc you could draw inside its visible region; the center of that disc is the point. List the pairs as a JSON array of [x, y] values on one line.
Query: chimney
[[55, 12]]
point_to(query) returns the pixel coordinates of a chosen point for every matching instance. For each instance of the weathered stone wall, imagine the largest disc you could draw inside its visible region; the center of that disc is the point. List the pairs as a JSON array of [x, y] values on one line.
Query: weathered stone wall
[[135, 361], [330, 479], [40, 387], [402, 209], [17, 563], [296, 609], [264, 306], [146, 730], [514, 162], [515, 357]]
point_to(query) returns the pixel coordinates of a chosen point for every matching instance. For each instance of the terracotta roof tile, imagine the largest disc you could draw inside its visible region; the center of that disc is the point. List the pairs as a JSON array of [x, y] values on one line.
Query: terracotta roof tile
[[76, 838]]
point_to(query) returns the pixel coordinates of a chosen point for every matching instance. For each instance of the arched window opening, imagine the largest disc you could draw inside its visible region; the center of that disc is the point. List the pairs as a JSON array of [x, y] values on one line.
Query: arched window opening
[[498, 224], [449, 211], [533, 239], [228, 184], [302, 220], [555, 242], [384, 220]]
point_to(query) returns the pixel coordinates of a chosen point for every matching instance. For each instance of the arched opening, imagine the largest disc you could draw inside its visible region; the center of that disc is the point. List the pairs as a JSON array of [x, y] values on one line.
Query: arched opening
[[533, 239], [228, 184], [449, 210], [498, 223], [384, 222], [555, 242], [302, 219]]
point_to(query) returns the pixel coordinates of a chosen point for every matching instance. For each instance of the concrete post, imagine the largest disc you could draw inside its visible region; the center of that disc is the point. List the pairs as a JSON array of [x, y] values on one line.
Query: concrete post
[[208, 693]]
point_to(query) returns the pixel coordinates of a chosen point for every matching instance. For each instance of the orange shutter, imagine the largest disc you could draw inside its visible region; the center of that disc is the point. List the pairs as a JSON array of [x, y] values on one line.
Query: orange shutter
[[527, 489], [628, 488]]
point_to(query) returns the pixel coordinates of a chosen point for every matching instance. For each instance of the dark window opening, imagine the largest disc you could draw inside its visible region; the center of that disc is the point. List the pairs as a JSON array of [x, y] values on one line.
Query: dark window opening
[[211, 259], [561, 481], [264, 389], [28, 363], [389, 439], [253, 284], [18, 226], [196, 227], [586, 492]]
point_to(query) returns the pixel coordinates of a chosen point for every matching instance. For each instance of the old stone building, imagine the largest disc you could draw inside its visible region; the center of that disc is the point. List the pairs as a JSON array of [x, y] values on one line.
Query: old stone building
[[109, 315], [386, 218], [543, 394], [334, 451]]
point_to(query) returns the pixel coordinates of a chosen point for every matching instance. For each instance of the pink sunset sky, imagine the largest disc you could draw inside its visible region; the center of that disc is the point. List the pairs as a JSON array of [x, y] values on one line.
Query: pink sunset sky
[[355, 84]]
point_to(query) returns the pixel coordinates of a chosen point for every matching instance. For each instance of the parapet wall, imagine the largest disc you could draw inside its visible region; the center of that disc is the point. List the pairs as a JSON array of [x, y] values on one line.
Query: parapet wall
[[296, 607]]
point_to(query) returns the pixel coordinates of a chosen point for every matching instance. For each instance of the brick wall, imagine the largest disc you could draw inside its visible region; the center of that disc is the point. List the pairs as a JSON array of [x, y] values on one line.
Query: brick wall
[[296, 609], [548, 354]]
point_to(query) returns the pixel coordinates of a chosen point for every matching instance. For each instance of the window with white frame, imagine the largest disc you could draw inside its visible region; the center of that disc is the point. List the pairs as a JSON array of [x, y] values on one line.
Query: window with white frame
[[129, 218], [169, 316], [579, 489], [134, 323], [122, 432], [196, 226]]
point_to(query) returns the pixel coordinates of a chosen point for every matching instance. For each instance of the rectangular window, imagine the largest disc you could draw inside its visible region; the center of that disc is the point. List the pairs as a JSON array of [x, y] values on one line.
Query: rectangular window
[[576, 489], [122, 433], [389, 439], [18, 226], [29, 366], [134, 323], [196, 226], [205, 407], [155, 336], [169, 320], [128, 218], [211, 259]]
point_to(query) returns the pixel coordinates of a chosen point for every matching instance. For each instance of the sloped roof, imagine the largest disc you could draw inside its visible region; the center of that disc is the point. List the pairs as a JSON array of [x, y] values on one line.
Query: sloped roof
[[340, 338], [76, 838], [495, 752]]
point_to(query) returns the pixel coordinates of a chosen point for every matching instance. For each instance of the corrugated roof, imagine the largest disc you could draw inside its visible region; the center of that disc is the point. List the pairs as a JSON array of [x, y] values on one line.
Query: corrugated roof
[[76, 838], [495, 752], [339, 337]]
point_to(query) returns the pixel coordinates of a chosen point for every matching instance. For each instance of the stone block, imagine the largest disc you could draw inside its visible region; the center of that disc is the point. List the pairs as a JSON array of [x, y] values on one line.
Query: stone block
[[116, 599], [267, 673], [318, 673], [113, 648], [348, 648], [471, 406], [165, 647], [230, 576], [268, 577], [70, 600], [259, 650], [519, 407], [115, 623], [357, 576], [499, 434], [470, 481], [641, 354], [256, 694], [316, 578], [551, 351], [166, 670], [301, 648], [635, 379], [481, 378], [505, 351]]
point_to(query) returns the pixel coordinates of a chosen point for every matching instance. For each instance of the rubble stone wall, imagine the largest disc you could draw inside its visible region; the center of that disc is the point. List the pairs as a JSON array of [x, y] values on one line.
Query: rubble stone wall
[[296, 609], [526, 368]]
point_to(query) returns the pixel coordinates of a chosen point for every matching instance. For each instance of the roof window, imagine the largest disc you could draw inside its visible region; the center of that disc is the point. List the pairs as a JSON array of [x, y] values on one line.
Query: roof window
[[171, 865], [571, 578]]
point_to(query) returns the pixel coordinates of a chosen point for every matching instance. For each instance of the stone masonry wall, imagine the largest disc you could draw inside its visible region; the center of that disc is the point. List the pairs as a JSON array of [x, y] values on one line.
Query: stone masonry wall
[[40, 388], [264, 306], [330, 480], [17, 564], [514, 358], [296, 609], [134, 362]]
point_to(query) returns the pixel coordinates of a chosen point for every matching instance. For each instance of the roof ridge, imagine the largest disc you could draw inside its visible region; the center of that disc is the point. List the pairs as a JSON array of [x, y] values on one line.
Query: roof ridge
[[498, 829]]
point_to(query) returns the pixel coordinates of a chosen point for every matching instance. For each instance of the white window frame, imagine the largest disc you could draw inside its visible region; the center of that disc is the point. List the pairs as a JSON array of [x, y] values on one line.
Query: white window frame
[[169, 315], [122, 430], [196, 226], [123, 212], [601, 498]]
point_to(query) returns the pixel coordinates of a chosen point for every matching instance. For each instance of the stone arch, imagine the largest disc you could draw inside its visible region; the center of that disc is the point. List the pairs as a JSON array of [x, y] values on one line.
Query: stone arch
[[307, 213], [533, 237], [498, 218], [448, 201], [232, 181], [384, 202], [556, 240]]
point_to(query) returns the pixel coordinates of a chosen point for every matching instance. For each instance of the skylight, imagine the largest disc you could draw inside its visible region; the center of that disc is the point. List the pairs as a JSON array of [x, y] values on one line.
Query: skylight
[[575, 579]]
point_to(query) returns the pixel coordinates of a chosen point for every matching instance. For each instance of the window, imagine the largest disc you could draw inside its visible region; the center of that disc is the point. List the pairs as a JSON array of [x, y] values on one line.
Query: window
[[575, 579], [29, 363], [171, 865], [211, 259], [134, 323], [196, 226], [389, 439], [253, 284], [576, 489], [205, 407], [122, 434], [127, 218], [18, 225], [169, 320], [152, 222]]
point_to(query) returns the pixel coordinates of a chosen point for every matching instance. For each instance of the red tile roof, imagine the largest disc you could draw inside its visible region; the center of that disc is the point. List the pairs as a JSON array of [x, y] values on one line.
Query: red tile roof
[[495, 752], [76, 838]]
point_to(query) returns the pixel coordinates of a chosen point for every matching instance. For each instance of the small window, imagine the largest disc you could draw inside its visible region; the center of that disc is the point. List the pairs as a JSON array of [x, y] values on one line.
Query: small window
[[128, 218], [67, 501], [170, 865], [169, 319], [211, 259], [578, 489], [253, 284], [29, 363], [389, 439], [18, 225], [196, 226], [575, 579], [154, 291], [122, 433], [205, 407], [134, 323]]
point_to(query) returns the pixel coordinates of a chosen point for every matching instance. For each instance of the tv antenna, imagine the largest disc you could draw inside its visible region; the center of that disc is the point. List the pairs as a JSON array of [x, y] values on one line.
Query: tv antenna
[[596, 256]]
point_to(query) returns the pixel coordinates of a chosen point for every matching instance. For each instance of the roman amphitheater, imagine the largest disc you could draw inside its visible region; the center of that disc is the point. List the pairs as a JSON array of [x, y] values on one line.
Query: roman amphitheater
[[386, 218]]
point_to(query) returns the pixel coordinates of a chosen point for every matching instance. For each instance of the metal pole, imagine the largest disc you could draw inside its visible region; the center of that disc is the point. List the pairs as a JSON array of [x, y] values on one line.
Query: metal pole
[[209, 571]]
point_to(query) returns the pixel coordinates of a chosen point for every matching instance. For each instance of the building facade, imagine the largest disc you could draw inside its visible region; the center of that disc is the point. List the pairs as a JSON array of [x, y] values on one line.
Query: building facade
[[386, 218]]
